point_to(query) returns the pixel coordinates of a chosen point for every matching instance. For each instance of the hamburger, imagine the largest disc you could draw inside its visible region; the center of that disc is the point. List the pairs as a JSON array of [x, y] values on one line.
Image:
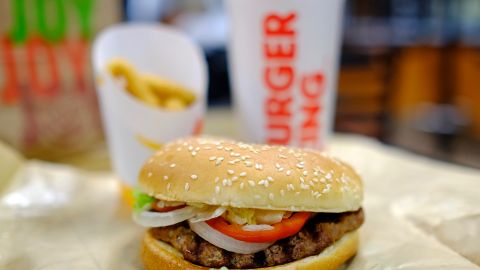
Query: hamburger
[[220, 204]]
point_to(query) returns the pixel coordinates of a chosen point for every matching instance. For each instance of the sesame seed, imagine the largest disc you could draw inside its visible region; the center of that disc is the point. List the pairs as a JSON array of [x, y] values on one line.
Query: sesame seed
[[217, 189], [269, 178], [190, 148], [248, 163], [251, 183], [187, 186], [207, 147], [219, 160], [149, 174], [197, 148], [235, 178], [315, 180], [194, 176], [328, 176], [304, 186], [258, 166], [173, 165], [165, 177], [243, 174], [242, 185], [280, 169], [219, 147], [311, 183], [194, 153], [179, 149], [305, 173], [282, 156], [323, 180], [282, 192], [217, 179], [230, 171], [212, 158], [290, 187], [300, 165], [263, 182], [289, 172], [228, 149], [302, 179], [277, 165], [271, 196]]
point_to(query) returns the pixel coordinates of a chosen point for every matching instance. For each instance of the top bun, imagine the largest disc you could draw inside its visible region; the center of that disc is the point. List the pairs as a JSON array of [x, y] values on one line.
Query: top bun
[[224, 172]]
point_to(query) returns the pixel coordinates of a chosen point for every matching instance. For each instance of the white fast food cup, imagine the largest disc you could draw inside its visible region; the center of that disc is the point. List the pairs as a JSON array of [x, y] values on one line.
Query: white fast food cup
[[151, 49], [283, 57]]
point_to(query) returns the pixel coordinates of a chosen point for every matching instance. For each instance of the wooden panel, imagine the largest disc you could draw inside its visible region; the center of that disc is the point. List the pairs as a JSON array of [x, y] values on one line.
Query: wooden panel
[[467, 86], [415, 79]]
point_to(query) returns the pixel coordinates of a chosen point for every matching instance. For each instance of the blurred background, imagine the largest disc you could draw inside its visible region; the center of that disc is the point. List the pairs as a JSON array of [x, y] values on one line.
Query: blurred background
[[409, 75]]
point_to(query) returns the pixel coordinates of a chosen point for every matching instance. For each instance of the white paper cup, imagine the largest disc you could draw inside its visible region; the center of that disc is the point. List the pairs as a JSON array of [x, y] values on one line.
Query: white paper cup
[[157, 50], [284, 58]]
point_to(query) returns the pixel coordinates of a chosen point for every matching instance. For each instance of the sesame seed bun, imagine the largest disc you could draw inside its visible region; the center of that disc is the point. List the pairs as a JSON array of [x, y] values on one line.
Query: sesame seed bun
[[229, 173], [157, 255]]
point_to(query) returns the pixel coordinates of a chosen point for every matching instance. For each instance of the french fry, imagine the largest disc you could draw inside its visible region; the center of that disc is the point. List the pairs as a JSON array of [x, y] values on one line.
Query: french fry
[[149, 143], [135, 85], [150, 88], [174, 104], [168, 89]]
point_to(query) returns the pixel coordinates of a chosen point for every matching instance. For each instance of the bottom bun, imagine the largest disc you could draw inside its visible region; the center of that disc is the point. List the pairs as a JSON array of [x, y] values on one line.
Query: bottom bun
[[157, 255]]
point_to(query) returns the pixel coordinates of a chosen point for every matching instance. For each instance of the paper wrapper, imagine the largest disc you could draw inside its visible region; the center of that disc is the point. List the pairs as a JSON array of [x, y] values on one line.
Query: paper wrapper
[[420, 215], [156, 50]]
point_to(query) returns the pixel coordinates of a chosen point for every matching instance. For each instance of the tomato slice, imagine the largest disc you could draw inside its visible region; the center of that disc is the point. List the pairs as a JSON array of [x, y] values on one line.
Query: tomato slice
[[287, 227], [166, 208]]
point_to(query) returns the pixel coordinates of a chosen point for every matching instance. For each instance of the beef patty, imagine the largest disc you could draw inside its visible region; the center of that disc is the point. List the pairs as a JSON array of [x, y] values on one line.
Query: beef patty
[[318, 233]]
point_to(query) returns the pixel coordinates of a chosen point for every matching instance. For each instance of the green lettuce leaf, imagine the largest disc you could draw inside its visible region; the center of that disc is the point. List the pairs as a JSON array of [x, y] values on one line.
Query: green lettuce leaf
[[142, 200]]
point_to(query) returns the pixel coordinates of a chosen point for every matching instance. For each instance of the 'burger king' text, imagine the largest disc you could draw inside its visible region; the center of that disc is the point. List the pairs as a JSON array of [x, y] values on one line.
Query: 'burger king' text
[[283, 84]]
